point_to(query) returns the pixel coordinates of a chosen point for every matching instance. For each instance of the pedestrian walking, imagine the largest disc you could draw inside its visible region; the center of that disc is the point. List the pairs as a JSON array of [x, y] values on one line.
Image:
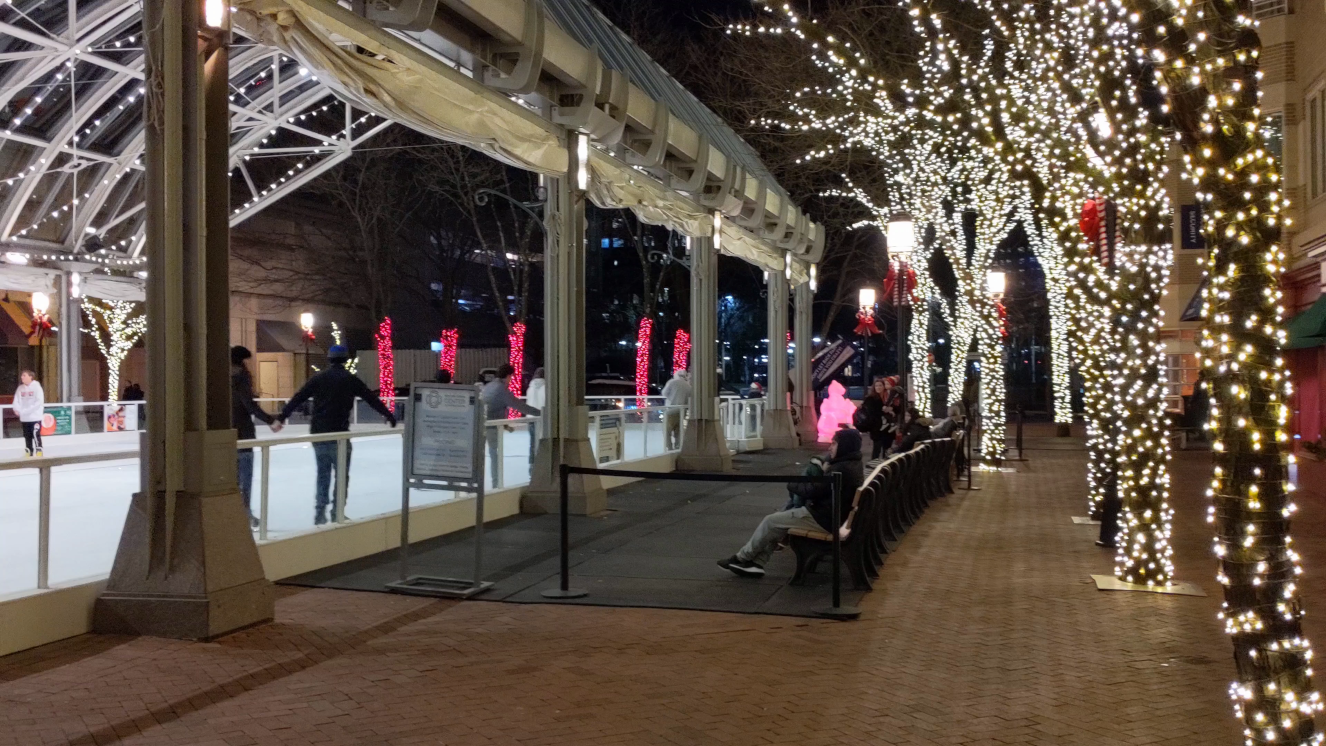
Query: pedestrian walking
[[677, 395], [333, 392], [498, 400], [30, 405], [242, 411]]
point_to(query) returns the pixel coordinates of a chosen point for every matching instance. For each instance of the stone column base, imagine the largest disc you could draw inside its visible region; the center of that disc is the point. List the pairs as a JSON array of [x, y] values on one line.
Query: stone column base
[[704, 447], [212, 583], [585, 493], [778, 431]]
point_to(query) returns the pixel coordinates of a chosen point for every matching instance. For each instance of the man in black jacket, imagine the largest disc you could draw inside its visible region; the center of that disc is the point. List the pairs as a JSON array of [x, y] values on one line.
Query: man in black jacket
[[844, 459], [333, 392], [242, 411]]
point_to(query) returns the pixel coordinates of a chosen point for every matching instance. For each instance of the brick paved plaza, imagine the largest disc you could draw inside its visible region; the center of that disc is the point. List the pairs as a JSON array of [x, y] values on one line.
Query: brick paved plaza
[[984, 629]]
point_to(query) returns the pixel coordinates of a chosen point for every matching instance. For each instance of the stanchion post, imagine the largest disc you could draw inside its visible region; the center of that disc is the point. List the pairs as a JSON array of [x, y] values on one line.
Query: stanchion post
[[838, 611], [1020, 432], [564, 590]]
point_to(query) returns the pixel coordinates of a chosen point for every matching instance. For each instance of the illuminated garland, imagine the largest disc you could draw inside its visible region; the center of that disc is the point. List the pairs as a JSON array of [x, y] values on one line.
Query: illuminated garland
[[681, 351], [642, 339], [516, 357], [1206, 60], [446, 360], [386, 361], [116, 330]]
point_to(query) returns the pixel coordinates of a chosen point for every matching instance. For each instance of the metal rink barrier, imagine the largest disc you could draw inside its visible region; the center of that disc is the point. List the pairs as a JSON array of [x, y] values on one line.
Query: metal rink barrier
[[565, 591]]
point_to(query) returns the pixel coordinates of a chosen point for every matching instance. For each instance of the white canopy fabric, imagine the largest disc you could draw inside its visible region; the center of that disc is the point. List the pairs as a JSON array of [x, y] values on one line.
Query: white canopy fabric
[[402, 82], [613, 184], [28, 279]]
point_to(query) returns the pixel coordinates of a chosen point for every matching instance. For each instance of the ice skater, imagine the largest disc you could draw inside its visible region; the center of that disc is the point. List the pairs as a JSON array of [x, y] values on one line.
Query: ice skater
[[333, 392], [30, 405], [242, 411]]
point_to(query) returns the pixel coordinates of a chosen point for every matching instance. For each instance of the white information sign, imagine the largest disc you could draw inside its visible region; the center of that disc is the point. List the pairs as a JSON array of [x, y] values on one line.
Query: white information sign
[[610, 439], [443, 443]]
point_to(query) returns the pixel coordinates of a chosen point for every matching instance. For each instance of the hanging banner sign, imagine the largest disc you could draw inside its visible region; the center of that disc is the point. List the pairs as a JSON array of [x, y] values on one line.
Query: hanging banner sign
[[610, 439], [121, 417], [58, 421], [1190, 227]]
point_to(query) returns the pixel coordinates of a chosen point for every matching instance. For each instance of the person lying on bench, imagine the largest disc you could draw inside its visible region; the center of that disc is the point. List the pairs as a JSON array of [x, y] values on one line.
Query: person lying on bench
[[816, 513]]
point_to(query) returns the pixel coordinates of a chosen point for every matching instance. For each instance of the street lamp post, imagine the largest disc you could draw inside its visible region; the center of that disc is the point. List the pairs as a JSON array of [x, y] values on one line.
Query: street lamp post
[[866, 299], [901, 239], [306, 323]]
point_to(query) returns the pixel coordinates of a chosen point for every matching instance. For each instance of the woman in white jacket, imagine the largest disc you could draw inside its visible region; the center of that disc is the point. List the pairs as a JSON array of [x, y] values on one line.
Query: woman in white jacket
[[29, 405], [536, 395]]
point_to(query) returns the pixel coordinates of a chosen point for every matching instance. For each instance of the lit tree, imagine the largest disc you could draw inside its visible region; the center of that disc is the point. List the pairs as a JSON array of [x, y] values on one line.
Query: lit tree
[[1206, 60], [116, 328]]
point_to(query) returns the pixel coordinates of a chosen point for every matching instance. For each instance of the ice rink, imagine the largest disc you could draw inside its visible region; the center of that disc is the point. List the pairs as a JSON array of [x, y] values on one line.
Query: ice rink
[[89, 501]]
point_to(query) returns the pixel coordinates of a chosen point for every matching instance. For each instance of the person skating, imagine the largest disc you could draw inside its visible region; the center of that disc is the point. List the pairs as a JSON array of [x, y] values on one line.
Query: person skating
[[333, 392], [30, 405], [498, 400], [816, 512], [242, 411]]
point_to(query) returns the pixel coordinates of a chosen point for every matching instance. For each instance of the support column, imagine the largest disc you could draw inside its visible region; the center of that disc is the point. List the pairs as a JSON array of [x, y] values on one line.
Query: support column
[[71, 342], [187, 565], [565, 418], [777, 431], [704, 445], [808, 423]]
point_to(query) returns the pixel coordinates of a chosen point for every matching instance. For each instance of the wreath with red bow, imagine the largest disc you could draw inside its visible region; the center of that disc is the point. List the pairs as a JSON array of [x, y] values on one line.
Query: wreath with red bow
[[865, 323], [41, 328]]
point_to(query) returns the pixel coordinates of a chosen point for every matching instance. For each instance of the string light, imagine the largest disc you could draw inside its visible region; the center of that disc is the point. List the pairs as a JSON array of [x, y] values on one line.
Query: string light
[[515, 340], [386, 359], [642, 339], [116, 328], [450, 344], [681, 351]]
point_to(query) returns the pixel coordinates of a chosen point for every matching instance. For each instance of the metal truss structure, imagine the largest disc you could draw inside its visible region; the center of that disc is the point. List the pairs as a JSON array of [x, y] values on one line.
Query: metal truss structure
[[71, 128]]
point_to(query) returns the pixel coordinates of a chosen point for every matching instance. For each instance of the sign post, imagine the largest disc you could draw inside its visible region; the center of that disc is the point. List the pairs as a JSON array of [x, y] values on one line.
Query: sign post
[[442, 451]]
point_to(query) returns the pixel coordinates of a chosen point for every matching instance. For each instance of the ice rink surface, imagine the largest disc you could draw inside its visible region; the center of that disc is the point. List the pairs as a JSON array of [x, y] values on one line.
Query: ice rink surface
[[89, 501]]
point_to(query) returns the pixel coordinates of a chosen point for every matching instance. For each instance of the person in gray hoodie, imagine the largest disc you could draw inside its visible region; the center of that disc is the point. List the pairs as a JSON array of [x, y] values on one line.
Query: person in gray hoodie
[[497, 399]]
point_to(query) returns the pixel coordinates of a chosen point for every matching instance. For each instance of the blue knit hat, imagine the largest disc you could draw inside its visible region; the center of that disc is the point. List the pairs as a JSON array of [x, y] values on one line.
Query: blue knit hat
[[338, 352]]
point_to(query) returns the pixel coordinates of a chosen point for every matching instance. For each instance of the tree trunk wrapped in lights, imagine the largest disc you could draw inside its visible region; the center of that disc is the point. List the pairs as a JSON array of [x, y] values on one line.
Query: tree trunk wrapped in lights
[[1207, 60], [116, 330]]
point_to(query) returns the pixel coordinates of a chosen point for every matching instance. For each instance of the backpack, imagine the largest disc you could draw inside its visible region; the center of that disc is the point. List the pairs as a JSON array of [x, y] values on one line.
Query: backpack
[[864, 421]]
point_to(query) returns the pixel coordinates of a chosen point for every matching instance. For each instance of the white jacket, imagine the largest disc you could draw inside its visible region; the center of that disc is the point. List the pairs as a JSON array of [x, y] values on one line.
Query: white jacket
[[537, 394], [29, 402], [677, 392]]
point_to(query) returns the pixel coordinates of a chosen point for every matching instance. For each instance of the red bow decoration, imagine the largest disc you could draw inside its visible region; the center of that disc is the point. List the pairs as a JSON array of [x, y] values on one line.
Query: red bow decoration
[[1003, 319], [41, 327], [865, 325], [891, 290], [1090, 222]]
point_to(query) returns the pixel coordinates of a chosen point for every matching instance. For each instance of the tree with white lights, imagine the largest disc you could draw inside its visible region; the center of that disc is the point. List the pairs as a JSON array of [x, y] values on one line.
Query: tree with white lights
[[116, 326]]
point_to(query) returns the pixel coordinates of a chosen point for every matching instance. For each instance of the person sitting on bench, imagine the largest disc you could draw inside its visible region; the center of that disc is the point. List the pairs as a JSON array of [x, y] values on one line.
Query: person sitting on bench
[[915, 430], [817, 513]]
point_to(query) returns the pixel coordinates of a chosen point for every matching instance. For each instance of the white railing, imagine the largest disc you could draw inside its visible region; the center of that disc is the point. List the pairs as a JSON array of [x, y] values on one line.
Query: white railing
[[88, 495], [1269, 8], [742, 418]]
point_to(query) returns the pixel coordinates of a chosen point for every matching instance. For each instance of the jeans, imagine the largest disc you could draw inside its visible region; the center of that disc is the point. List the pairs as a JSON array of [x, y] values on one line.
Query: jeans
[[879, 442], [325, 455], [32, 437], [772, 530], [673, 419], [492, 434], [535, 430], [244, 470]]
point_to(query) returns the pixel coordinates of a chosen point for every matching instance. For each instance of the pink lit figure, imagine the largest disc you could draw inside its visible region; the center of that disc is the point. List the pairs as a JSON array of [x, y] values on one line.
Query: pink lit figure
[[835, 410]]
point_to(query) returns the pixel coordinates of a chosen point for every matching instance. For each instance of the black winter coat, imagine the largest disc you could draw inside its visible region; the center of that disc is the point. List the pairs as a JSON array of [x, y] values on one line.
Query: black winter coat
[[333, 392], [242, 406], [818, 498]]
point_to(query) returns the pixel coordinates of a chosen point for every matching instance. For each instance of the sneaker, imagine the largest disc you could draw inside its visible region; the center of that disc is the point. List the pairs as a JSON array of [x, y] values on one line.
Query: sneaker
[[1106, 544], [39, 453], [741, 567], [253, 522], [319, 518]]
